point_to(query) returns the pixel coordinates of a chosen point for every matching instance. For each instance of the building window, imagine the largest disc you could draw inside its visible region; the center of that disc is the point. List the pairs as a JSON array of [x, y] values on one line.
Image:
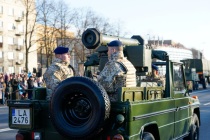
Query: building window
[[1, 9], [20, 56], [20, 70], [11, 12], [20, 14], [10, 55], [11, 69], [1, 39], [1, 23], [11, 26], [10, 40], [21, 28], [1, 69], [20, 41]]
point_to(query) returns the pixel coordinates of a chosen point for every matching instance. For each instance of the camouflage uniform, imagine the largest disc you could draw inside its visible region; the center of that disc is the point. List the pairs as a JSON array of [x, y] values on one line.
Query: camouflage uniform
[[56, 73], [118, 72]]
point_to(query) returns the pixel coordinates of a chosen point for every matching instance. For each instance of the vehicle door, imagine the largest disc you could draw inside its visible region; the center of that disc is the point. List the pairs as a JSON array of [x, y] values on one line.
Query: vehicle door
[[182, 119]]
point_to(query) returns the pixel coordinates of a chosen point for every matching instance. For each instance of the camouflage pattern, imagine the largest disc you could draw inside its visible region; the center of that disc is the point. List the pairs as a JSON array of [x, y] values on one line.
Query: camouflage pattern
[[56, 73], [118, 72]]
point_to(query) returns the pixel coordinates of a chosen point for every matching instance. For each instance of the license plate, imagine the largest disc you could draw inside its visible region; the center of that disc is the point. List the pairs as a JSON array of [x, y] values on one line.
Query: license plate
[[21, 116]]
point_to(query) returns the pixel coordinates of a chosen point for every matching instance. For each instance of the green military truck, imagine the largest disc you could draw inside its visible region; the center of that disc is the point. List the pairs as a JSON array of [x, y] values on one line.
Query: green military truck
[[192, 78], [80, 108], [197, 71]]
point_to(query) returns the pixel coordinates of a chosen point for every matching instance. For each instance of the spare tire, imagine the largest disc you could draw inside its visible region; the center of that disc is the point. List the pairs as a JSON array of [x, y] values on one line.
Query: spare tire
[[79, 108]]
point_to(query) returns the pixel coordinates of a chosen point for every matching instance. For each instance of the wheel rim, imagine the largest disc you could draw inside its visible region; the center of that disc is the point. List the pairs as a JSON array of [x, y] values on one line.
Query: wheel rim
[[76, 108]]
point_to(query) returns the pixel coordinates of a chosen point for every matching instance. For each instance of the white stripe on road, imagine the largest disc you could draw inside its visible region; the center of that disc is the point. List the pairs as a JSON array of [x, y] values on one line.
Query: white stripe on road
[[3, 107], [207, 103], [5, 129]]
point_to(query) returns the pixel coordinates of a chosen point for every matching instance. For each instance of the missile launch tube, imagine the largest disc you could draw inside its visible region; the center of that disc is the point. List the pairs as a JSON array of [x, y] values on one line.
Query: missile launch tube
[[92, 38]]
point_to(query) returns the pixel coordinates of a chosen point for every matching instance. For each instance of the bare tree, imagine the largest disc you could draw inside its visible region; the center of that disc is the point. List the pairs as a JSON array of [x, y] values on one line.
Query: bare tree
[[46, 31], [65, 17], [55, 21], [30, 21]]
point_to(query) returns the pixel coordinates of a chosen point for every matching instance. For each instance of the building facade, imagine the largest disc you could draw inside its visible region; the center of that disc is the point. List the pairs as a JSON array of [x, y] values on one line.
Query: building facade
[[12, 38], [176, 51], [48, 38]]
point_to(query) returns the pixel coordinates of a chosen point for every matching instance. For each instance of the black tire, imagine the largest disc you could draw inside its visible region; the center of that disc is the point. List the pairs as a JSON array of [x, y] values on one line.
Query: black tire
[[194, 129], [148, 136], [79, 108]]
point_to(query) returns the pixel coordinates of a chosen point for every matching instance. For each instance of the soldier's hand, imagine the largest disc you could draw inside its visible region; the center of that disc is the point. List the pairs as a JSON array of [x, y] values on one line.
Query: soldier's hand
[[94, 75]]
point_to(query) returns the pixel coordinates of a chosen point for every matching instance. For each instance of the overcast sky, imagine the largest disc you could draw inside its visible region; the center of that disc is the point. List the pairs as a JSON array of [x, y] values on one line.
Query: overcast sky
[[184, 21]]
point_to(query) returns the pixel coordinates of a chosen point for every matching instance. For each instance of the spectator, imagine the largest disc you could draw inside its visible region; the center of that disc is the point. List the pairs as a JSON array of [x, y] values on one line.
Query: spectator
[[30, 83], [14, 84], [8, 87], [2, 89], [39, 82], [24, 86]]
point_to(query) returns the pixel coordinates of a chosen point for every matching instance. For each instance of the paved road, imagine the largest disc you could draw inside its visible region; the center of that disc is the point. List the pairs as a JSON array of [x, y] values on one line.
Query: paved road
[[204, 97], [5, 132]]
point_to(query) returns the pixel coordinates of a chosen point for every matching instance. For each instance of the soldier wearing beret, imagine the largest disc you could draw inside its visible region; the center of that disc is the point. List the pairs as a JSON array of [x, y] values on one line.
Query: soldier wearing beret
[[155, 71], [118, 71], [58, 71], [155, 75]]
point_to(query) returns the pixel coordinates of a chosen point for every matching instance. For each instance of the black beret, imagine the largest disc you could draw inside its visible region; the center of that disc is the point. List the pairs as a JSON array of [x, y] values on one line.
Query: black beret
[[115, 43], [61, 50], [154, 67]]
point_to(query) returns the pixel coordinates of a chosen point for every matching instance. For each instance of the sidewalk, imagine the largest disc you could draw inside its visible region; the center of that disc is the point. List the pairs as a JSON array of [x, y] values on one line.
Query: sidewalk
[[1, 105]]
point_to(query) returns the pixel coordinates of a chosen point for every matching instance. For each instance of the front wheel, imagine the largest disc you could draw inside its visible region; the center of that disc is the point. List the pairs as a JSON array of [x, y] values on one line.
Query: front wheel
[[194, 129], [148, 136]]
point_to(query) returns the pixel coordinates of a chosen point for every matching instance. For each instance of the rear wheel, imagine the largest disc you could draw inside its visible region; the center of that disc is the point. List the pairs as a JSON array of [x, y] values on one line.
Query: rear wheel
[[79, 108], [148, 136], [194, 129]]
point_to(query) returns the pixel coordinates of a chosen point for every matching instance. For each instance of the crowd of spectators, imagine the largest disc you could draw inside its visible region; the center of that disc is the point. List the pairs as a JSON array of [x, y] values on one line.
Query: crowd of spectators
[[18, 86]]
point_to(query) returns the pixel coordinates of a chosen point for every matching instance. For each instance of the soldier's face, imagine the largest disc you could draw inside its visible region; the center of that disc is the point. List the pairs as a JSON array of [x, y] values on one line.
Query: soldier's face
[[155, 72], [65, 57], [111, 50]]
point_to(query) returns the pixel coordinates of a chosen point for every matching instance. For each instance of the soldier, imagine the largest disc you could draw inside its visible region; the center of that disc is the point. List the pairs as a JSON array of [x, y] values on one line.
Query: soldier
[[155, 73], [117, 72], [155, 76], [58, 71]]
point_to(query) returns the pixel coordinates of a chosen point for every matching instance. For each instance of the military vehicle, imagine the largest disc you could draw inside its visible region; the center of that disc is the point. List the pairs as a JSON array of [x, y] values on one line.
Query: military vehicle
[[192, 78], [80, 108], [197, 71]]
